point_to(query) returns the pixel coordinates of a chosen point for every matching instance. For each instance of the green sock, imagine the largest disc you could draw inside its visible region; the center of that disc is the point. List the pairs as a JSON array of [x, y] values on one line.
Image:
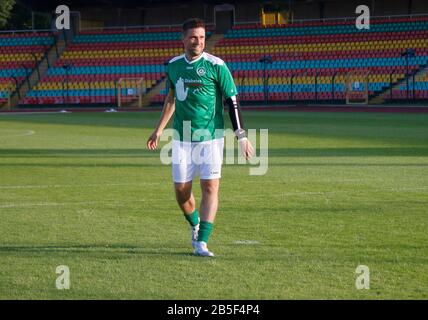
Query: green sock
[[193, 218], [205, 229]]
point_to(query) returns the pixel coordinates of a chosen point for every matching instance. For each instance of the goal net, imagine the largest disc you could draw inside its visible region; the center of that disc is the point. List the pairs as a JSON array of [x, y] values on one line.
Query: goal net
[[130, 92], [357, 87]]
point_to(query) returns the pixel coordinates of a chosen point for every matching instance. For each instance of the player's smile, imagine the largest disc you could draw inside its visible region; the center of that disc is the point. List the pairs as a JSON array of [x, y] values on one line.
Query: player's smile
[[194, 42]]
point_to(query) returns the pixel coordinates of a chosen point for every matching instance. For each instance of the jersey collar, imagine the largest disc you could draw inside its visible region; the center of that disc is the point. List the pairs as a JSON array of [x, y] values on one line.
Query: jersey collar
[[193, 61]]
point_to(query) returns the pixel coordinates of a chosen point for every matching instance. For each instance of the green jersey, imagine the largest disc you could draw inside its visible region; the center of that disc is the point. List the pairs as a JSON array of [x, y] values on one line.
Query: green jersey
[[199, 86]]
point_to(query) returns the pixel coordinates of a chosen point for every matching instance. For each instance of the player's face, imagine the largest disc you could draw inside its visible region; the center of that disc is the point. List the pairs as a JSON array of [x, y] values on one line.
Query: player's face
[[194, 42]]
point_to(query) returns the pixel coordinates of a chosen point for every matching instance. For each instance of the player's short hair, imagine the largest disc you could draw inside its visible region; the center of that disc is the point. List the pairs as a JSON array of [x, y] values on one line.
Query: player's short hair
[[192, 24]]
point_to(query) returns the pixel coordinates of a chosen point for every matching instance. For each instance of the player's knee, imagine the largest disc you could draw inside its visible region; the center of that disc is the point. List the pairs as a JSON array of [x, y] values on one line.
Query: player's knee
[[210, 190], [182, 193]]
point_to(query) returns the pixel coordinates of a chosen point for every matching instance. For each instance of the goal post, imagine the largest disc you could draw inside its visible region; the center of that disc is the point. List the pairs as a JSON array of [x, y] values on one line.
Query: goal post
[[357, 87], [130, 92]]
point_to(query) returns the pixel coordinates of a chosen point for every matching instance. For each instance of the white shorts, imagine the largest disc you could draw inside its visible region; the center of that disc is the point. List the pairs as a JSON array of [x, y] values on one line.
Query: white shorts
[[197, 158]]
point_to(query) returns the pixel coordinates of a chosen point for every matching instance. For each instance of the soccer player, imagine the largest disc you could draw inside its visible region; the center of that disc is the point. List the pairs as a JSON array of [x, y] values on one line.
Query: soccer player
[[197, 82]]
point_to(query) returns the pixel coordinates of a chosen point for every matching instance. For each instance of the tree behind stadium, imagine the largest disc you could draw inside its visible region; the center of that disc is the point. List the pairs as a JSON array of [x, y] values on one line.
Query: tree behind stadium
[[5, 9]]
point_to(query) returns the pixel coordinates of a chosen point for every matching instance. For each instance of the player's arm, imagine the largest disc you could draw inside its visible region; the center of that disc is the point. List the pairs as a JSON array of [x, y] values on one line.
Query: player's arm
[[235, 115], [167, 112]]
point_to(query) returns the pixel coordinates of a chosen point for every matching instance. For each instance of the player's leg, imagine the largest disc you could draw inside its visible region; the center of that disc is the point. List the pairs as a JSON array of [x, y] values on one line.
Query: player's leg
[[209, 206], [186, 201], [208, 211], [210, 182], [182, 172], [184, 196], [209, 201]]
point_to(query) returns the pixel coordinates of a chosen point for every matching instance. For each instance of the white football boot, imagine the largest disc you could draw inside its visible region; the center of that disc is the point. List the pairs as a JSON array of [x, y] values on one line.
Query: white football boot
[[202, 250]]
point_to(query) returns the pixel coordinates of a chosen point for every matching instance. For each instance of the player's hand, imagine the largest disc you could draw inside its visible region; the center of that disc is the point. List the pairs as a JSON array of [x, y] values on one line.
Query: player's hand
[[246, 148], [153, 140]]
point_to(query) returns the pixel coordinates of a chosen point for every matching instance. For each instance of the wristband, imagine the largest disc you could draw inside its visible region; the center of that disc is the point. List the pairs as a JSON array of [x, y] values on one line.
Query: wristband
[[240, 134]]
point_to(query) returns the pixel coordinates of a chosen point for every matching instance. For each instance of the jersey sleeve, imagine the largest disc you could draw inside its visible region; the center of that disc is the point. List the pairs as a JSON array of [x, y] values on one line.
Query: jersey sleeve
[[225, 81], [168, 78]]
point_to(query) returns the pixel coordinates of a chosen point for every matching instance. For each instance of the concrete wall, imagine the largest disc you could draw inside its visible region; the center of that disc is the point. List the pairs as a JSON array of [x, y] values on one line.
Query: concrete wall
[[420, 6], [244, 11], [340, 8]]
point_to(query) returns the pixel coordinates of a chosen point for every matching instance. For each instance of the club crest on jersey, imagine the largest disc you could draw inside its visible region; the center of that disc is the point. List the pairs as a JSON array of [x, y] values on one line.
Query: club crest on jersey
[[201, 71]]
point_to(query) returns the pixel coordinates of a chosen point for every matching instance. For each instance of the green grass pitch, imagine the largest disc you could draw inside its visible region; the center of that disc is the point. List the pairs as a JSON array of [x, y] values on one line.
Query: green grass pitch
[[342, 190]]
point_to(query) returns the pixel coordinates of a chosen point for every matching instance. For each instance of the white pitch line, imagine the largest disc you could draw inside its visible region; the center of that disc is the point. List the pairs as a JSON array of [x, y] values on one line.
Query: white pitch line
[[322, 193], [79, 186], [408, 189], [26, 113], [28, 133], [24, 134], [234, 197], [248, 242], [24, 205], [62, 204]]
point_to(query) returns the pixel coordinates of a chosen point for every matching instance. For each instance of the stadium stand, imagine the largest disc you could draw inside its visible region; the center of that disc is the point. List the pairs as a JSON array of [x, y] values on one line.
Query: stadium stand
[[97, 59], [307, 56], [19, 53], [310, 61]]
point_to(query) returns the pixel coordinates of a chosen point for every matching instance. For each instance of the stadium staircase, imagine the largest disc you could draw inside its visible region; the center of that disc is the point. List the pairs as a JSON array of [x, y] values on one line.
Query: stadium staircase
[[50, 58], [159, 88], [20, 53], [399, 90], [380, 97], [400, 81]]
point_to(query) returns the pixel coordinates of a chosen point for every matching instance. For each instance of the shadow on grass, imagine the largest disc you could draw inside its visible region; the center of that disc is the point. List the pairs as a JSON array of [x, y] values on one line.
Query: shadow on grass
[[84, 153], [344, 164], [275, 152], [96, 248], [154, 157], [92, 119], [349, 152], [82, 165]]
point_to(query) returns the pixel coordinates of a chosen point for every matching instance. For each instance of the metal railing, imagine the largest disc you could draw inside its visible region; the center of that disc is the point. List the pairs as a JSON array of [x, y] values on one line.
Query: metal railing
[[291, 83], [26, 31], [144, 27], [172, 26], [344, 19]]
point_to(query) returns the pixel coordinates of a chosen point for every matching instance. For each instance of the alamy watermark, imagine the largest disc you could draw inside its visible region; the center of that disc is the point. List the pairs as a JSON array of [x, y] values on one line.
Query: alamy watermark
[[363, 279], [62, 21], [63, 280], [205, 152], [363, 20]]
